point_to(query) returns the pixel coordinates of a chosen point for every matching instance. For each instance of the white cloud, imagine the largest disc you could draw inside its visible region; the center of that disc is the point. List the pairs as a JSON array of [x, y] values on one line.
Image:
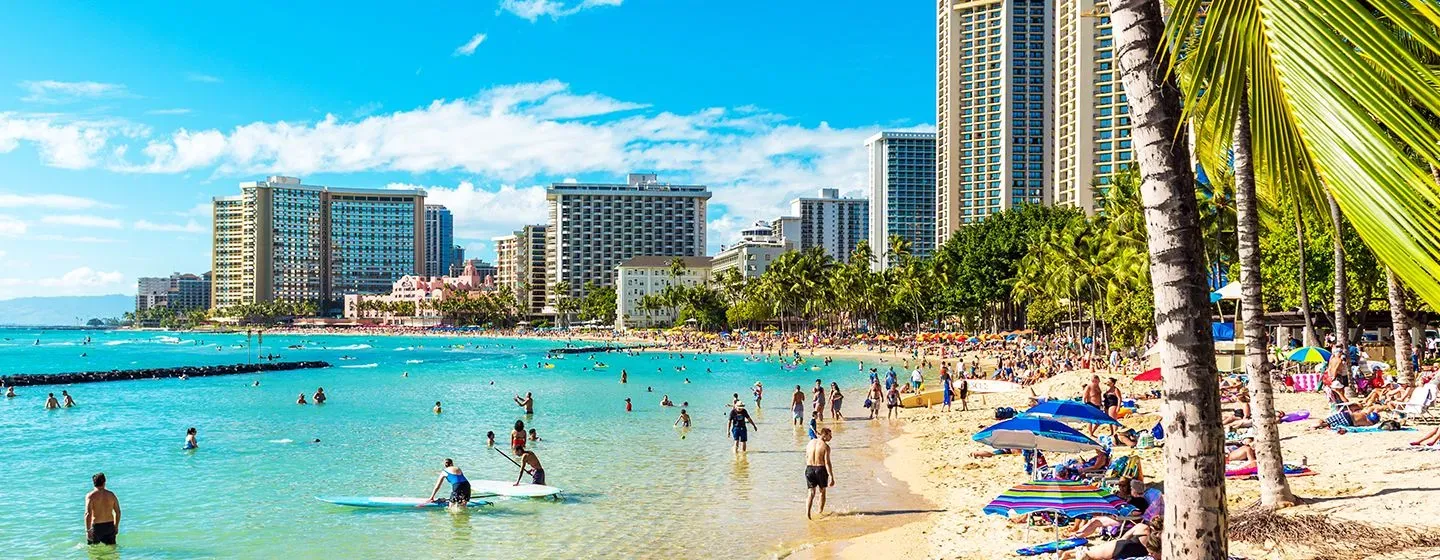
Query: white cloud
[[188, 227], [82, 220], [51, 91], [468, 48], [203, 78], [176, 111], [2, 254], [57, 201], [79, 281], [199, 210], [554, 9], [12, 227], [482, 214], [68, 145]]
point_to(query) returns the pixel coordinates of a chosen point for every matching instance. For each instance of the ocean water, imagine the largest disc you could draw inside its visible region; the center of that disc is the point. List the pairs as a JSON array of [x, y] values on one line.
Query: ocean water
[[634, 486]]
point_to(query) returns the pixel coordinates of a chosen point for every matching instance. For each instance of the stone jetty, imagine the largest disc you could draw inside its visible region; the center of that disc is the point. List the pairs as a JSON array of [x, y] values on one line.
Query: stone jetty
[[24, 380]]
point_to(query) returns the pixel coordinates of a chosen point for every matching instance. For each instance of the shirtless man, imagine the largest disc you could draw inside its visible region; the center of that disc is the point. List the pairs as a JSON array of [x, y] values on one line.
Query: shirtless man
[[1092, 397], [51, 403], [530, 461], [819, 473], [102, 513], [797, 405], [528, 403]]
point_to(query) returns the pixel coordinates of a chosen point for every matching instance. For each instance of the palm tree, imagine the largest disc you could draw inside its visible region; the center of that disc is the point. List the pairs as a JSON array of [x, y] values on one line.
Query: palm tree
[[1274, 487], [1195, 517], [1400, 325], [1342, 292]]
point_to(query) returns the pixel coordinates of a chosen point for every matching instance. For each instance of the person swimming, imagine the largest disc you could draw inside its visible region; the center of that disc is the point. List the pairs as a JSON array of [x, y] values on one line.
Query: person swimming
[[319, 397], [437, 407], [10, 392], [665, 401], [459, 485], [534, 436], [490, 439], [301, 399], [190, 442]]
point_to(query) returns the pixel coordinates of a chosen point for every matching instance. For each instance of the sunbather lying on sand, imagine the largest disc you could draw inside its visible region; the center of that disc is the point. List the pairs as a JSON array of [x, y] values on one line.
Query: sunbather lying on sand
[[1352, 416], [1135, 547]]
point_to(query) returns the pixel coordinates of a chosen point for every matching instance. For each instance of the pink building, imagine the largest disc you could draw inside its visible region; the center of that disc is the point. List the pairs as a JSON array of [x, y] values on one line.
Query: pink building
[[416, 298]]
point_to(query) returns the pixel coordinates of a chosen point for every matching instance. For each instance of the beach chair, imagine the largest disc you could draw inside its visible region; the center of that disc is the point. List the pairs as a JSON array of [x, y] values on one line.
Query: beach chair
[[1337, 399], [1420, 408]]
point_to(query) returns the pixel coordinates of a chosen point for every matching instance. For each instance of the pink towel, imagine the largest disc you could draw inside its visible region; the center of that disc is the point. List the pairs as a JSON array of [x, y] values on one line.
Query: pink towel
[[1306, 382]]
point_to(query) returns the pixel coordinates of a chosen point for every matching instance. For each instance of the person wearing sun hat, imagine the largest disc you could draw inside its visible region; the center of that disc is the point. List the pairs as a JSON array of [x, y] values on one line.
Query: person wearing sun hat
[[738, 417]]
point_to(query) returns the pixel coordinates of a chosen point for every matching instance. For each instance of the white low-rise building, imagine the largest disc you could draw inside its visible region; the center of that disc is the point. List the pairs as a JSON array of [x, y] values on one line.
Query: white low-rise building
[[639, 277], [752, 255]]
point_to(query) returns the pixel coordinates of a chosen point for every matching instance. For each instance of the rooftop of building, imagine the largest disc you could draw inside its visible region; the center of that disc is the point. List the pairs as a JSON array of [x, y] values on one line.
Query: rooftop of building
[[296, 184], [635, 183], [658, 262], [887, 134], [832, 194]]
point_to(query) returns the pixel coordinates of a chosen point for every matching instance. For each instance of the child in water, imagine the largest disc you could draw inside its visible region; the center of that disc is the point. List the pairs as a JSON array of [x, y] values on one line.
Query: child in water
[[190, 442], [489, 439]]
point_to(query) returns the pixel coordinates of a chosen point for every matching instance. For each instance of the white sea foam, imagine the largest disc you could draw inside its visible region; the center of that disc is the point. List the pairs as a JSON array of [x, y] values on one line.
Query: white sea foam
[[346, 347], [414, 361], [361, 366]]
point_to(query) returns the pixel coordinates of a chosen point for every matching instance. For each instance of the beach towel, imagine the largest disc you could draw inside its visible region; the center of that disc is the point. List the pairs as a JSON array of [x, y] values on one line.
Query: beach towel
[[1306, 382], [1050, 547], [1250, 472], [1373, 429]]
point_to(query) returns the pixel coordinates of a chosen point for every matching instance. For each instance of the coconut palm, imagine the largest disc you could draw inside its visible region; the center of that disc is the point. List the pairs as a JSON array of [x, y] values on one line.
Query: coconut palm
[[1400, 325], [1195, 517]]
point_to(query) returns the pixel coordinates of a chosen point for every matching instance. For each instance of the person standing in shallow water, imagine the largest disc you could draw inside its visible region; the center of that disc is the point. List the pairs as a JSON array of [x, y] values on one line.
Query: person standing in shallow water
[[819, 473], [102, 514], [51, 403]]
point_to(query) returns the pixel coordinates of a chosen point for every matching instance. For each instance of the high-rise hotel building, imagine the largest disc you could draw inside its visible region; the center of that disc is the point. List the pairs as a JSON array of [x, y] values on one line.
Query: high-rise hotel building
[[1092, 115], [520, 264], [440, 249], [596, 226], [827, 221], [902, 192], [284, 240], [993, 104]]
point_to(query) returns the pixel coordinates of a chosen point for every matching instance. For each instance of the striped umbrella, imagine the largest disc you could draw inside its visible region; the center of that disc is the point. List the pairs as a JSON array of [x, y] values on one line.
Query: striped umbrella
[[1309, 354], [1033, 432], [1068, 497]]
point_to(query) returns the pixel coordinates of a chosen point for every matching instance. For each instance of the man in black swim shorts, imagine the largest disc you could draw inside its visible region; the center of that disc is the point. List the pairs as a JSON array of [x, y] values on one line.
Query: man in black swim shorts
[[818, 470]]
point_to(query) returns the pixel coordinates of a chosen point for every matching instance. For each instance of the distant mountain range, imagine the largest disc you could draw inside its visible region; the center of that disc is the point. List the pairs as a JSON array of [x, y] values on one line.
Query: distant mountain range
[[63, 310]]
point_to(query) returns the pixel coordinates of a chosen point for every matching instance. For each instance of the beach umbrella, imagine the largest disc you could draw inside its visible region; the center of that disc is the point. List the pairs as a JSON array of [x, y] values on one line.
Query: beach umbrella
[[1034, 432], [1071, 498], [1309, 354], [1071, 411], [1152, 374]]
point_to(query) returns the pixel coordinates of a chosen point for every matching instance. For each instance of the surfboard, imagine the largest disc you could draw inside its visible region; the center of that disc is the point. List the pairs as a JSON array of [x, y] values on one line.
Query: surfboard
[[509, 489], [391, 502], [936, 397]]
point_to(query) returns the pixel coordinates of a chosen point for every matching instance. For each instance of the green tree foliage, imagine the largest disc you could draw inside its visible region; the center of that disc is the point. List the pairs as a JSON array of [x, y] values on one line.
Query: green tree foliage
[[598, 304]]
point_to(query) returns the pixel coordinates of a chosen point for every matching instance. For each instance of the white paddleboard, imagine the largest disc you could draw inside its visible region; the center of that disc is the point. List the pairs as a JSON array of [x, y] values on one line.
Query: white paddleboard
[[391, 502], [509, 489]]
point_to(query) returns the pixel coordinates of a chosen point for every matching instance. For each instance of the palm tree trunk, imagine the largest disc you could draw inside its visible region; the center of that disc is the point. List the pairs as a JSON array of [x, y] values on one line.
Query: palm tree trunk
[[1309, 330], [1274, 487], [1400, 324], [1342, 292], [1195, 516]]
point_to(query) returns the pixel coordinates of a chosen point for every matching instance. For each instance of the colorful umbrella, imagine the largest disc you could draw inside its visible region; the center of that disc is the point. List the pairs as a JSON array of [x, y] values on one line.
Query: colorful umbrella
[[1033, 432], [1152, 374], [1071, 411], [1309, 354], [1069, 497]]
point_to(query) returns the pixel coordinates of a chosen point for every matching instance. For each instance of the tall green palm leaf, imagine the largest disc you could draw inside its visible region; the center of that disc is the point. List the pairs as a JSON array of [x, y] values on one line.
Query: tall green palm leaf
[[1342, 100]]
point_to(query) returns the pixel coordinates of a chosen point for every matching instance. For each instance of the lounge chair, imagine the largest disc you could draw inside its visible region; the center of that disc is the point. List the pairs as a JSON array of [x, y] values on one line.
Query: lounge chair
[[1419, 409]]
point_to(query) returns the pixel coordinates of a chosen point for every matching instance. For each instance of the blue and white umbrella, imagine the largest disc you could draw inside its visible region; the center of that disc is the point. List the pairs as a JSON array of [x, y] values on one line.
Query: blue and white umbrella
[[1071, 411], [1034, 432]]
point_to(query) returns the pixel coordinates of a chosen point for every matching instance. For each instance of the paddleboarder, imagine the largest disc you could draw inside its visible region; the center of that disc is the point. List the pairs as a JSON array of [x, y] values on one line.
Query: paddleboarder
[[528, 459], [459, 485]]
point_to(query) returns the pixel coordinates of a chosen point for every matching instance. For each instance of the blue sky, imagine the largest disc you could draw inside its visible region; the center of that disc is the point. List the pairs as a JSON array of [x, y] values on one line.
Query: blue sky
[[119, 122]]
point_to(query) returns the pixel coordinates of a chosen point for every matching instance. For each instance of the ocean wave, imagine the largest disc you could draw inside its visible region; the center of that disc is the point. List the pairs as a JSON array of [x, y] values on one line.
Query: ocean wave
[[359, 366], [346, 347], [286, 440], [404, 348], [414, 361], [167, 339], [119, 342]]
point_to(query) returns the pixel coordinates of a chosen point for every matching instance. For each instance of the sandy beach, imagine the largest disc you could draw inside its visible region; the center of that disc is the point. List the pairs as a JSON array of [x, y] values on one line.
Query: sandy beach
[[1358, 478]]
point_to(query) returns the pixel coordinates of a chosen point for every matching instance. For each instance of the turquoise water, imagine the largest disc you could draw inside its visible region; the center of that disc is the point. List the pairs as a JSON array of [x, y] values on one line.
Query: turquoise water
[[633, 487]]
